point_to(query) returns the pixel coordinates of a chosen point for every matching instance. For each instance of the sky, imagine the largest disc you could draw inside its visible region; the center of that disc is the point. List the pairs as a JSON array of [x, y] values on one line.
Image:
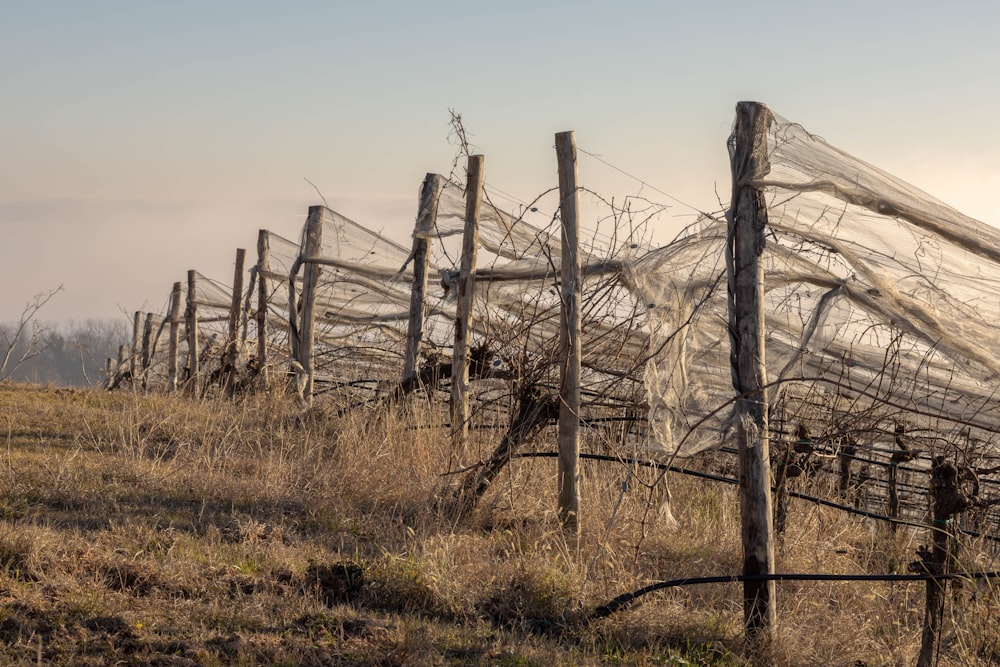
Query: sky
[[139, 140]]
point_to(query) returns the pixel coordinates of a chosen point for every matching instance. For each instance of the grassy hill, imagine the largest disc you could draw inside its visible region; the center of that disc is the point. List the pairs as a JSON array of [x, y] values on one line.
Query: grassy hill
[[155, 530]]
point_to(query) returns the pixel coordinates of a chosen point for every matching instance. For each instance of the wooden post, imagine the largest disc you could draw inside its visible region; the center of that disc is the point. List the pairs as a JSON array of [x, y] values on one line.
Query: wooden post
[[569, 337], [310, 282], [263, 287], [191, 322], [135, 360], [229, 363], [463, 316], [236, 307], [147, 345], [420, 255], [117, 374], [946, 501], [747, 221], [175, 326]]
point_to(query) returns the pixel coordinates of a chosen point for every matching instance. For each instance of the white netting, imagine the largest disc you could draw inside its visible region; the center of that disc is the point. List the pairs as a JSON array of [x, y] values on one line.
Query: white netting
[[881, 296], [281, 256], [213, 301], [366, 280], [878, 313]]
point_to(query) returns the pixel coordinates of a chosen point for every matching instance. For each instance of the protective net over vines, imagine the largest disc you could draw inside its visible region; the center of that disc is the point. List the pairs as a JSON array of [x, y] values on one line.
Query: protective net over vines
[[213, 301], [364, 299], [280, 256], [361, 305], [880, 311], [880, 298]]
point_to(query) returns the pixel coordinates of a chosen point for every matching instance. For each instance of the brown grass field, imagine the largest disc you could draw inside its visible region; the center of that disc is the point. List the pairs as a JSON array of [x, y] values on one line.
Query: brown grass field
[[150, 530]]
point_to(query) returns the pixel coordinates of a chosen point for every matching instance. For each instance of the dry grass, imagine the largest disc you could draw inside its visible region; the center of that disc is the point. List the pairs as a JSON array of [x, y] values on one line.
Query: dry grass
[[153, 530]]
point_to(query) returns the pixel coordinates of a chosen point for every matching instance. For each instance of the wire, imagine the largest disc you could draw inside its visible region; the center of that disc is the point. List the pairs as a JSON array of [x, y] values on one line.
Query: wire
[[733, 481], [626, 599], [644, 183], [514, 198]]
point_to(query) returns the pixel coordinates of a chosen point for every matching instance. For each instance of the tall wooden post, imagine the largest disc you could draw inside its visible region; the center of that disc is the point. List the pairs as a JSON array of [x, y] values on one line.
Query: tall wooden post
[[231, 360], [747, 221], [136, 359], [191, 322], [569, 336], [310, 282], [463, 317], [147, 347], [420, 255], [263, 287], [946, 501], [175, 330]]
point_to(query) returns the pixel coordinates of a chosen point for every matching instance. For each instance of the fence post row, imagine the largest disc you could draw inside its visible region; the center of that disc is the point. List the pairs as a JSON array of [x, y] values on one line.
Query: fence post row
[[569, 336], [747, 220], [463, 313], [420, 255]]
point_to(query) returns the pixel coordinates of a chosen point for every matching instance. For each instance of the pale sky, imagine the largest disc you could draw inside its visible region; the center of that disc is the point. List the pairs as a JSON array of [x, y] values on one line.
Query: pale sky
[[142, 139]]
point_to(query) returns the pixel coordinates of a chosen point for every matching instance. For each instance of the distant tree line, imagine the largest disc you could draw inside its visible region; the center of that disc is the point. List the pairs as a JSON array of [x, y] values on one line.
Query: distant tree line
[[69, 354]]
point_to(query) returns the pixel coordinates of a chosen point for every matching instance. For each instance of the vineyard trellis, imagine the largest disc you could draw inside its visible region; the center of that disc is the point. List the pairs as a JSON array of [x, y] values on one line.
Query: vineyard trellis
[[875, 348]]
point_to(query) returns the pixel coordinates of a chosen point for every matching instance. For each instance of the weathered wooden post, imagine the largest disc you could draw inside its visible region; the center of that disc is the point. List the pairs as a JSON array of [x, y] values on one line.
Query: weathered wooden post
[[747, 220], [135, 360], [147, 345], [420, 256], [946, 501], [569, 336], [232, 354], [174, 344], [463, 316], [263, 287], [116, 369], [310, 282], [191, 322]]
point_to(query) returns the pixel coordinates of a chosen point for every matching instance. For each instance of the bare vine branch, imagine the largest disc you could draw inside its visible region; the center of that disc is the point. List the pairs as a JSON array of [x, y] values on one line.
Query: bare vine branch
[[24, 341]]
